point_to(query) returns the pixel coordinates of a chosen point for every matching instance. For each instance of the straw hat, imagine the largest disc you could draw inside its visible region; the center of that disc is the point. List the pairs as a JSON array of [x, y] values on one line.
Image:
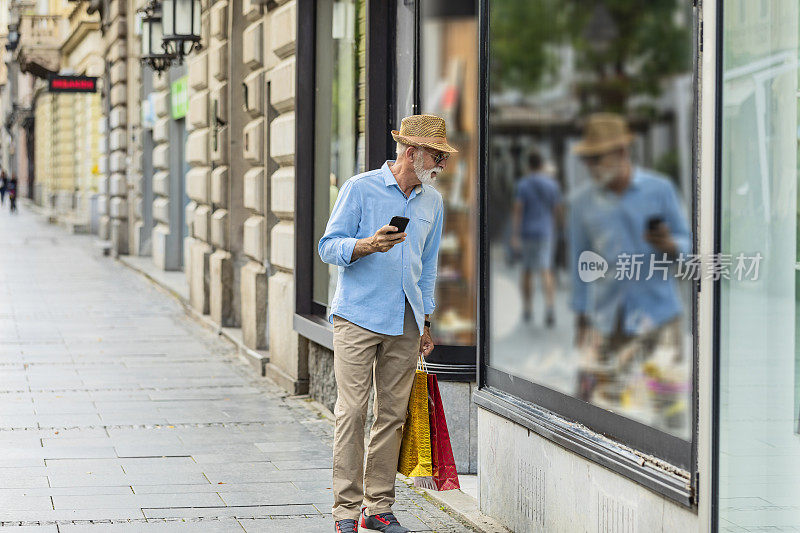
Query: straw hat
[[603, 133], [423, 130]]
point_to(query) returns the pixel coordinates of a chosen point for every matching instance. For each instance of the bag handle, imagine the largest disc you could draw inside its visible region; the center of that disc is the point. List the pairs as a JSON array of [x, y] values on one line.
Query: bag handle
[[421, 364]]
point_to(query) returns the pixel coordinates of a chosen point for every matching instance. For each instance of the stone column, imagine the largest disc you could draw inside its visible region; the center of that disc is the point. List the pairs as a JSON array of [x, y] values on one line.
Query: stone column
[[200, 119], [227, 218], [133, 122], [207, 149], [253, 283], [116, 136], [288, 353], [163, 254], [43, 148], [63, 154]]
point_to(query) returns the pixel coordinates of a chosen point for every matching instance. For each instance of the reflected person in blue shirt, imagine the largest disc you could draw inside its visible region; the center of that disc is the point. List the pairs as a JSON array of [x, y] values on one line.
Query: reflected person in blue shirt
[[626, 211], [384, 296], [537, 207]]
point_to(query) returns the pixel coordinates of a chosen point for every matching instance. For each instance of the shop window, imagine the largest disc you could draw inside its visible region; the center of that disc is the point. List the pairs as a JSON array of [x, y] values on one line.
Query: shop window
[[588, 223], [758, 457], [338, 124], [436, 71]]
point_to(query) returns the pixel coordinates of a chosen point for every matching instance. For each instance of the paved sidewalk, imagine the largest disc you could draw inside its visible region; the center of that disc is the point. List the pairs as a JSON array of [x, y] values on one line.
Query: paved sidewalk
[[118, 413]]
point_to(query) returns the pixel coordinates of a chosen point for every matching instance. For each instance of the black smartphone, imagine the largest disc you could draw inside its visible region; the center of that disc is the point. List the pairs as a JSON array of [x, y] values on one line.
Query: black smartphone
[[653, 223], [400, 223]]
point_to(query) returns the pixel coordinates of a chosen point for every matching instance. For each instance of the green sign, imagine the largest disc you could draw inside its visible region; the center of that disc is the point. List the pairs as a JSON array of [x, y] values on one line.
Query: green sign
[[180, 97]]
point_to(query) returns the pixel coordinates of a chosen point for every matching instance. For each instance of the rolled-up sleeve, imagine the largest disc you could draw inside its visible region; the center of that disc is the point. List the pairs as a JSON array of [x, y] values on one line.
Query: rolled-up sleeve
[[430, 259], [337, 244]]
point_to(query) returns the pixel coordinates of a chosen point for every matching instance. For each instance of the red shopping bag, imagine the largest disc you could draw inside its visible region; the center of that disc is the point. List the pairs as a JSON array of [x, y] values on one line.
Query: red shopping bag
[[445, 476]]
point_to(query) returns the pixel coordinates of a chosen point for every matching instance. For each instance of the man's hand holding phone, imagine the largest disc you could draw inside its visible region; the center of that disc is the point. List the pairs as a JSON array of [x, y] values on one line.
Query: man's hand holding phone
[[385, 238], [382, 241]]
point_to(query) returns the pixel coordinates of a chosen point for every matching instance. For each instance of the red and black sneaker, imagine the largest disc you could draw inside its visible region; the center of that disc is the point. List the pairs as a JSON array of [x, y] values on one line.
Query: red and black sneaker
[[385, 522], [346, 526]]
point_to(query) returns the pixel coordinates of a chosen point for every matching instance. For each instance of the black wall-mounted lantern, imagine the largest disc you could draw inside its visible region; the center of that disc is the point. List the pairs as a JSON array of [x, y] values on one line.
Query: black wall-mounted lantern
[[181, 27], [13, 38], [153, 52]]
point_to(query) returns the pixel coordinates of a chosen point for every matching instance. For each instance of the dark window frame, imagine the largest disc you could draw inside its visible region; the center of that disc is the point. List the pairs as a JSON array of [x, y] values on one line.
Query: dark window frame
[[451, 363], [611, 440], [309, 316]]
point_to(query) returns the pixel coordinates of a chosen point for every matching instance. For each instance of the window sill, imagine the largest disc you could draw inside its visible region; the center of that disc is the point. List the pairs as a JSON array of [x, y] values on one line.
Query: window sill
[[670, 482], [314, 328], [449, 363]]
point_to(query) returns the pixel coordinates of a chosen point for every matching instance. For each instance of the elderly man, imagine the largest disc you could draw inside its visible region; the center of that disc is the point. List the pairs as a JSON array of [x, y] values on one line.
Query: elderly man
[[380, 313]]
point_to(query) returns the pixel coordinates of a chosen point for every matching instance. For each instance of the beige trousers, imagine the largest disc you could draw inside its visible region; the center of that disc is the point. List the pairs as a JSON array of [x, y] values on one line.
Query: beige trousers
[[362, 357]]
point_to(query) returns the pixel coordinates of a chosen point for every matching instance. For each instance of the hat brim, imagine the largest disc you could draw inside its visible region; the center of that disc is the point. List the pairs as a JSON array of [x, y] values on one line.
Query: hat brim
[[442, 147], [585, 148]]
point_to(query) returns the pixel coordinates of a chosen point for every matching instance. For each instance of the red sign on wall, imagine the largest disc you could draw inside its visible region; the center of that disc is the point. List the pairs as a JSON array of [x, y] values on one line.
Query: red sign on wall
[[72, 84]]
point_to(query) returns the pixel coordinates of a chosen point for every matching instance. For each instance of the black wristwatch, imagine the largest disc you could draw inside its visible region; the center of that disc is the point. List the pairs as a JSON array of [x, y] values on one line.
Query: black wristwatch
[[427, 324]]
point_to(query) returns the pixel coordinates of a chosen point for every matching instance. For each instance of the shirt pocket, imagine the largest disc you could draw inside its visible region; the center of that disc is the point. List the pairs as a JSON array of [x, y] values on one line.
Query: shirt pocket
[[422, 227]]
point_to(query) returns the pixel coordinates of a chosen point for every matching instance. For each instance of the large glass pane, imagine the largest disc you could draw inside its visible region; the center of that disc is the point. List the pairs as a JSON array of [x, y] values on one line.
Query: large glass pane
[[448, 88], [589, 183], [759, 445], [405, 32], [339, 140]]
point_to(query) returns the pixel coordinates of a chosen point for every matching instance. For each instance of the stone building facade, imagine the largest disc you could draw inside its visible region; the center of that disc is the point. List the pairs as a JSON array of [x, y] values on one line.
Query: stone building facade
[[241, 152]]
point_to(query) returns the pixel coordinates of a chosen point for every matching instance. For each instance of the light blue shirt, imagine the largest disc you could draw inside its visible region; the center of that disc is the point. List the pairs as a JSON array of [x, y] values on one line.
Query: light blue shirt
[[539, 196], [610, 224], [371, 291]]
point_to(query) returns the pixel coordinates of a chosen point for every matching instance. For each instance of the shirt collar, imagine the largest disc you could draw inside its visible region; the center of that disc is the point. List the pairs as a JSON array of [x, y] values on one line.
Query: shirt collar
[[635, 183], [389, 179]]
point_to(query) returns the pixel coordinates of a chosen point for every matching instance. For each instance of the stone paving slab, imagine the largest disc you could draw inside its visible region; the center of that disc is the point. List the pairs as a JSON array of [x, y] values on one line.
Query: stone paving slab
[[206, 526], [119, 413], [30, 529]]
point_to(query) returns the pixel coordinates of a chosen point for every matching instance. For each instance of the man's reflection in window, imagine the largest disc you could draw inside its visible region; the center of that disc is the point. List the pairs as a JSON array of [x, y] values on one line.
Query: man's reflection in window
[[625, 214]]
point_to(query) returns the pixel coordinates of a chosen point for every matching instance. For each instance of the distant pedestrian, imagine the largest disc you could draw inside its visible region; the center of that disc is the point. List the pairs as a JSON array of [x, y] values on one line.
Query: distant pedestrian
[[537, 209], [12, 194], [3, 186]]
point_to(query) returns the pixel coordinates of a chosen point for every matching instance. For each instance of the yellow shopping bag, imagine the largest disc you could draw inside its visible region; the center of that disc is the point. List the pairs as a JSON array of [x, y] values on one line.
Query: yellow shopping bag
[[415, 451]]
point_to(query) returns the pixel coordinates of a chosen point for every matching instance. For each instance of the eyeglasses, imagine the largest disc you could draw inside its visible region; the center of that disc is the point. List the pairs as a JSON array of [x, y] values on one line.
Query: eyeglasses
[[592, 160], [438, 157]]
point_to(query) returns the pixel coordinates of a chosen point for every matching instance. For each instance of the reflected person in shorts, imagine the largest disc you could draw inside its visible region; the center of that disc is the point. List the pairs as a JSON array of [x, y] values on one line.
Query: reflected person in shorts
[[536, 210]]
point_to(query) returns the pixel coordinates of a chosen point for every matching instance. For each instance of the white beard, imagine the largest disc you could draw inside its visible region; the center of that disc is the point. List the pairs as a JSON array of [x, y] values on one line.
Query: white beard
[[425, 176]]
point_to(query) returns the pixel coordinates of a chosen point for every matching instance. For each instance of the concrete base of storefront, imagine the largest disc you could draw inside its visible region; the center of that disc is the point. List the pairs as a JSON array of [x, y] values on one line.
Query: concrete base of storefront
[[548, 488], [220, 299], [165, 249], [119, 236], [253, 290], [142, 244], [284, 380], [289, 362], [103, 228], [200, 276], [75, 224]]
